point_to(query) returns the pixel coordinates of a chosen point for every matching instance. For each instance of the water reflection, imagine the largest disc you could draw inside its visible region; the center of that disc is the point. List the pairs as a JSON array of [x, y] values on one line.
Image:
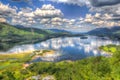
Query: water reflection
[[69, 47]]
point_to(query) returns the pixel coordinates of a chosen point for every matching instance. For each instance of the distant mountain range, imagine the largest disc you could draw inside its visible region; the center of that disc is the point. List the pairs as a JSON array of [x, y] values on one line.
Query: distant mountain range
[[58, 30], [104, 30], [50, 30], [113, 32]]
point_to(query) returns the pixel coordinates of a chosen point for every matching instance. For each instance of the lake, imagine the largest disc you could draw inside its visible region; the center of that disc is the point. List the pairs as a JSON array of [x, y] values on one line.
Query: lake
[[68, 48]]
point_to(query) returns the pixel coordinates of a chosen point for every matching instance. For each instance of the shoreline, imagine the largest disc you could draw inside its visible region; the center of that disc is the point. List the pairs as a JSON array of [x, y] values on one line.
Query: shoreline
[[24, 52], [42, 40]]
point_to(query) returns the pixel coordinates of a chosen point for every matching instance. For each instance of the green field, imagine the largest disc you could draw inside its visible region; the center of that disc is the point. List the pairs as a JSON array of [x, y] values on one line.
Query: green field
[[112, 49]]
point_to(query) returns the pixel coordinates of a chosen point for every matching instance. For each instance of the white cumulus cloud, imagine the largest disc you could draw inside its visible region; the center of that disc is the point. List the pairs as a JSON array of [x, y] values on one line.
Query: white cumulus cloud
[[48, 11]]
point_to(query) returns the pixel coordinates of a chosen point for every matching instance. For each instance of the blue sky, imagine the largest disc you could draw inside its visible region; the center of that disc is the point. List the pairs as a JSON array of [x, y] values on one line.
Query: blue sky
[[69, 10], [62, 14]]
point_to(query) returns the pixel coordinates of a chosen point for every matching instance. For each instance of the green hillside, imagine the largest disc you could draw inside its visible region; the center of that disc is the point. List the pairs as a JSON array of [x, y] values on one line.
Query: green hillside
[[11, 36], [112, 33], [10, 33], [93, 68]]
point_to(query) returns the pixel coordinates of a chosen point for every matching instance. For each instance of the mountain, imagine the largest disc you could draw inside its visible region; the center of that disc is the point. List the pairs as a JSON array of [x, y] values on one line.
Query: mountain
[[58, 30], [113, 32], [104, 30], [16, 35], [10, 35]]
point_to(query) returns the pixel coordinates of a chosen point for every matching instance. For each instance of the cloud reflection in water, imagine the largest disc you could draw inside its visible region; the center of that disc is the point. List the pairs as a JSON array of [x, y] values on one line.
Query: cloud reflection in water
[[70, 47]]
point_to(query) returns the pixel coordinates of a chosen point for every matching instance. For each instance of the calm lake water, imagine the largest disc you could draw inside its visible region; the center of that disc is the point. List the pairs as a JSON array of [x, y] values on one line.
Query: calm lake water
[[69, 48]]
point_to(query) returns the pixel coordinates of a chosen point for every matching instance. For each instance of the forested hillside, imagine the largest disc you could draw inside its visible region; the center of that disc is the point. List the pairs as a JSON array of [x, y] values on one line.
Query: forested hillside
[[11, 35]]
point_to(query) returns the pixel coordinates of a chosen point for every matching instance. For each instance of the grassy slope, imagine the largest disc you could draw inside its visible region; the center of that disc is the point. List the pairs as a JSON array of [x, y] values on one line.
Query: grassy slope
[[112, 49], [12, 33], [10, 36], [113, 33], [94, 68]]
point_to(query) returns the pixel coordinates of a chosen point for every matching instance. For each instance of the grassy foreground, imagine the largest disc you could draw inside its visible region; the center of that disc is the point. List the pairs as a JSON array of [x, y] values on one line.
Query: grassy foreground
[[93, 68], [14, 55]]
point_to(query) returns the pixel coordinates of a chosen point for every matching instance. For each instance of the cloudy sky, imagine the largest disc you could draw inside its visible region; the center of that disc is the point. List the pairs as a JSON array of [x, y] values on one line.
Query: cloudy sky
[[64, 14]]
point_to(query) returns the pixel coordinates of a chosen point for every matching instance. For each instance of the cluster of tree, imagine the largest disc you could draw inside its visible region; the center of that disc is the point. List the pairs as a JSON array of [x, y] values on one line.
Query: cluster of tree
[[94, 68], [110, 48], [11, 35]]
